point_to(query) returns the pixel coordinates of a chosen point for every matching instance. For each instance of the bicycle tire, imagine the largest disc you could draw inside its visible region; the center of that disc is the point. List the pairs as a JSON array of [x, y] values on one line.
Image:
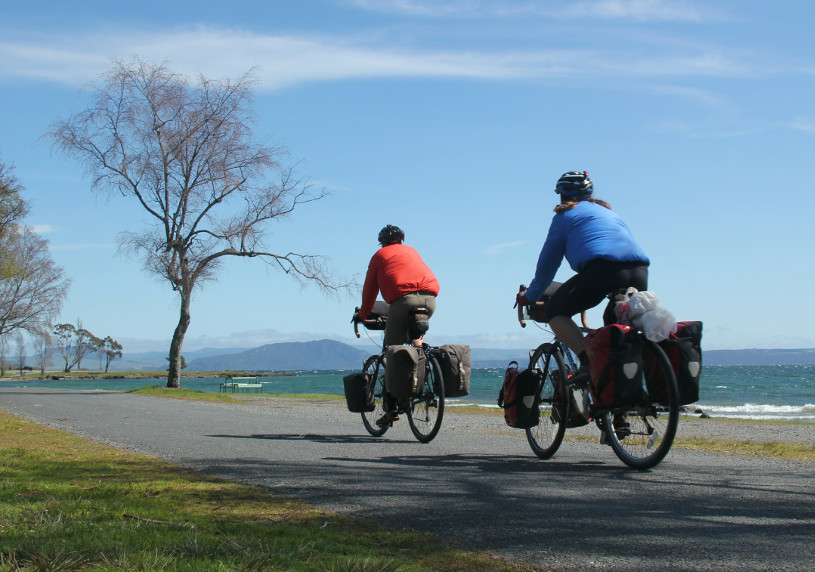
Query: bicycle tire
[[545, 437], [426, 411], [375, 366], [652, 425]]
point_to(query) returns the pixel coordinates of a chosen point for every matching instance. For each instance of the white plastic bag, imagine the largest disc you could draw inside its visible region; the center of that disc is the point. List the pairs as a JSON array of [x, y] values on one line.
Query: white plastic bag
[[623, 310], [648, 315]]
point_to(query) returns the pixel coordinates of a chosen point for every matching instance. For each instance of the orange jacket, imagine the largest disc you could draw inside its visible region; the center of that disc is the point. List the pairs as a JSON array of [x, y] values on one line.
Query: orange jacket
[[396, 270]]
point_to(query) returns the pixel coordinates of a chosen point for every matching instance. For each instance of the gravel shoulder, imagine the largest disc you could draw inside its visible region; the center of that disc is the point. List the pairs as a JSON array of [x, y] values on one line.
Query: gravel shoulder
[[731, 430]]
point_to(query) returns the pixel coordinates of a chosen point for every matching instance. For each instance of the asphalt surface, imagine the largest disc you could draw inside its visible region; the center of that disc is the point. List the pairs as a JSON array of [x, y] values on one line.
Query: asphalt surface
[[477, 485]]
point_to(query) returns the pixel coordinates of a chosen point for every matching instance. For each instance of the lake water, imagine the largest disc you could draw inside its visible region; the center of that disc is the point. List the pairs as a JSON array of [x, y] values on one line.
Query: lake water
[[741, 392]]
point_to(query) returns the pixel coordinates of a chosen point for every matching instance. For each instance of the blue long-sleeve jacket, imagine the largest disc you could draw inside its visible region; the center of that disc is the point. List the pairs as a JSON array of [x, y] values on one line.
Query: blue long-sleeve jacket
[[582, 234]]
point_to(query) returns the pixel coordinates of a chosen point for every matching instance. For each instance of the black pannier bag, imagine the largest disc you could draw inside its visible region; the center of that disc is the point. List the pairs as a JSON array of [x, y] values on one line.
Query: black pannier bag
[[579, 414], [615, 366], [404, 371], [456, 367], [518, 396], [684, 351], [358, 395]]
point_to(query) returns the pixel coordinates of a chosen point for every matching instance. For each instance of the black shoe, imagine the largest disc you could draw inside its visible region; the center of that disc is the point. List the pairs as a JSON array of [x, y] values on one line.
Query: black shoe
[[621, 427], [580, 378], [387, 419]]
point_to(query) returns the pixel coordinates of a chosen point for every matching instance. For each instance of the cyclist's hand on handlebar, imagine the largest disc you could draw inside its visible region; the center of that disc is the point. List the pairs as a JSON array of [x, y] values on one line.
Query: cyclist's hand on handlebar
[[521, 299]]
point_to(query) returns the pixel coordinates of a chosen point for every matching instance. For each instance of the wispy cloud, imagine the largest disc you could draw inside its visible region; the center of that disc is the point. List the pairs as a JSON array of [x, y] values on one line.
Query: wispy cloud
[[41, 228], [498, 248], [642, 10], [636, 10], [82, 246], [284, 61], [805, 125], [703, 96]]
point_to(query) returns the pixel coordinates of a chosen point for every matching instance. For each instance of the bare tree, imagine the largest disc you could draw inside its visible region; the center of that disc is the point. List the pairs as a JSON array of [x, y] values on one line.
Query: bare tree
[[187, 155], [33, 288], [20, 355], [31, 285], [3, 353], [42, 348], [12, 206]]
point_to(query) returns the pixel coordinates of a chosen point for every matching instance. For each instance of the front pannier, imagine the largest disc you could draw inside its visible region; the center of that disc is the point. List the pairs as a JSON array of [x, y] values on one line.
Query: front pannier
[[456, 367], [615, 366], [404, 371], [358, 395], [519, 397]]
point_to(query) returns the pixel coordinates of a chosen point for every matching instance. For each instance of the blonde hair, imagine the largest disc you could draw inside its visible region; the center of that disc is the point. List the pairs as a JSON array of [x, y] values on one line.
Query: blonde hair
[[569, 205]]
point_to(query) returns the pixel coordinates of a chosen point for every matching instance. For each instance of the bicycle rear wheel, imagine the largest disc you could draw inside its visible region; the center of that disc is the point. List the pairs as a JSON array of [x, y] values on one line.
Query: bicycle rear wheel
[[545, 437], [641, 436], [427, 410], [375, 367]]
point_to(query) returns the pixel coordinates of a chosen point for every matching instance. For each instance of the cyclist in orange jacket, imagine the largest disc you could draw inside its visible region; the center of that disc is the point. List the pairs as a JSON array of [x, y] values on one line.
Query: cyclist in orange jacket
[[405, 281]]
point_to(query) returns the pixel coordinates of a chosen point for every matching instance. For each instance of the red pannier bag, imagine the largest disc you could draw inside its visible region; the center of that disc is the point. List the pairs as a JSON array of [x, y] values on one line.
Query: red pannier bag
[[684, 351], [519, 397], [615, 366]]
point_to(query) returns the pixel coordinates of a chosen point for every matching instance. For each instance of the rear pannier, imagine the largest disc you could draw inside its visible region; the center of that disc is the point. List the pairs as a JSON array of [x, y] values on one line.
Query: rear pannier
[[404, 371], [456, 367]]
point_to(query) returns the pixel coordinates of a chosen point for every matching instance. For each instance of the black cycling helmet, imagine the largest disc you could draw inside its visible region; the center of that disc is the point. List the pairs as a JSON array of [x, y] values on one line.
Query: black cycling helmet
[[574, 185], [391, 235]]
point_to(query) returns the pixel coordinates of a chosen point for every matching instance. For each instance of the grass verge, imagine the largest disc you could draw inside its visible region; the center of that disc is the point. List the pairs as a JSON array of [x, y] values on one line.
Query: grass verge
[[70, 504], [792, 451]]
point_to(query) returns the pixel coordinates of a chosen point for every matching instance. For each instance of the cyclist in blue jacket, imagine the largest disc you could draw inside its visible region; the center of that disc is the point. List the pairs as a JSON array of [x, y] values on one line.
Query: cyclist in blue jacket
[[598, 245]]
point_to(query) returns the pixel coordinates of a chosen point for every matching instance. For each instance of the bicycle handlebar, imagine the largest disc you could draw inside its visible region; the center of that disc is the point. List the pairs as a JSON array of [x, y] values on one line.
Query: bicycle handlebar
[[520, 307], [376, 323]]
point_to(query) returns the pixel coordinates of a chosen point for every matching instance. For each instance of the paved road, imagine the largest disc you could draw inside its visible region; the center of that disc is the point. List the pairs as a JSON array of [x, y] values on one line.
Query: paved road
[[476, 484]]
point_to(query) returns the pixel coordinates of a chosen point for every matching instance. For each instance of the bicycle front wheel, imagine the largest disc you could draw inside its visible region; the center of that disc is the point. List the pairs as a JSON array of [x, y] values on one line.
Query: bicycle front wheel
[[545, 437], [641, 436], [375, 367], [427, 410]]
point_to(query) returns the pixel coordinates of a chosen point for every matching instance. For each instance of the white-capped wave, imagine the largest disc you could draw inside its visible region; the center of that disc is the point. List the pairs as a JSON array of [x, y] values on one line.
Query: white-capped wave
[[761, 411]]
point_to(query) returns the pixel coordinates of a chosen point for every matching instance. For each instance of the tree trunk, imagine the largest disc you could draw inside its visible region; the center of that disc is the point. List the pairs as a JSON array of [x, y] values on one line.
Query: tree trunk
[[174, 373]]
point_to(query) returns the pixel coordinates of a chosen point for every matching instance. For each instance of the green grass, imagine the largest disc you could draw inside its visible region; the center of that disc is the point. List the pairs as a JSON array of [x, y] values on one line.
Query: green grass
[[161, 391], [792, 451], [70, 504]]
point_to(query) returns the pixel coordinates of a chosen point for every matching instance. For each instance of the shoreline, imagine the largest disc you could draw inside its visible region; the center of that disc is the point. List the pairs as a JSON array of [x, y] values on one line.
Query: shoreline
[[60, 376]]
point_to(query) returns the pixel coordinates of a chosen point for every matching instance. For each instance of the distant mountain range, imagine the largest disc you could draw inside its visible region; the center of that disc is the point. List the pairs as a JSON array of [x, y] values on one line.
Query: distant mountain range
[[322, 354], [330, 354]]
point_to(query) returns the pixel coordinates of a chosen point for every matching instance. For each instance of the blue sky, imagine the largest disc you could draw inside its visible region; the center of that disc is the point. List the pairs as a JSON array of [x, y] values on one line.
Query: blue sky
[[452, 119]]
